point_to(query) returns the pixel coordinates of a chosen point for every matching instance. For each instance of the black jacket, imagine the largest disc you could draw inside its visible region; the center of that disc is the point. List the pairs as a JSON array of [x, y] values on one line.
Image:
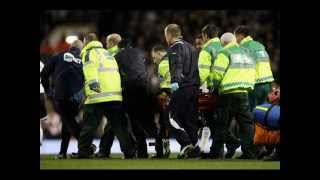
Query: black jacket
[[183, 64], [131, 62], [67, 77]]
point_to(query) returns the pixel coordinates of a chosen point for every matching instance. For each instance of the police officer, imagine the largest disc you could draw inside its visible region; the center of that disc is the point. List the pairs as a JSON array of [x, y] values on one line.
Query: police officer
[[103, 97], [264, 76], [208, 54], [183, 63], [233, 76], [66, 71]]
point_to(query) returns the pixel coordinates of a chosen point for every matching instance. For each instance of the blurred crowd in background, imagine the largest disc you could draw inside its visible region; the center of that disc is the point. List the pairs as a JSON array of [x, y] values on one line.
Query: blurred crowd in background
[[146, 28]]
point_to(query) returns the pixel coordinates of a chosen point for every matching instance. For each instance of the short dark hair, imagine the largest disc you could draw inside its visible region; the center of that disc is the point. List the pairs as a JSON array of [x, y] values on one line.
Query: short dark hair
[[244, 30], [90, 37], [158, 47], [211, 30], [174, 30]]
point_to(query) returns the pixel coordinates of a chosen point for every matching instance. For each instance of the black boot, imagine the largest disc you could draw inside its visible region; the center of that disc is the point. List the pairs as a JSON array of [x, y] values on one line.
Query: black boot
[[231, 150]]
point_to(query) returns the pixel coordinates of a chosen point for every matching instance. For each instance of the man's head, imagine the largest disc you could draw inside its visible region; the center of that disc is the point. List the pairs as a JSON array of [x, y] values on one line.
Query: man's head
[[77, 44], [198, 42], [209, 31], [113, 40], [157, 53], [172, 32], [89, 37], [227, 38], [241, 32]]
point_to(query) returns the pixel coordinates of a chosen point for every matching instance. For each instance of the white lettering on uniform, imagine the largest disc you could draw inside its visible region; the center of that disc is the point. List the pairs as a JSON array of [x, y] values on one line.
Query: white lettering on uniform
[[68, 57]]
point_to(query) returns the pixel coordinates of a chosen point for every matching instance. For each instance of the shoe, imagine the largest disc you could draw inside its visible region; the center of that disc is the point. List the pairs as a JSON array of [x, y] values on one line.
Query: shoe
[[81, 156], [128, 156], [102, 155], [157, 156], [93, 149], [194, 153], [262, 152], [185, 151], [61, 156], [215, 156], [232, 150], [143, 156], [204, 155], [272, 157], [246, 156], [166, 148]]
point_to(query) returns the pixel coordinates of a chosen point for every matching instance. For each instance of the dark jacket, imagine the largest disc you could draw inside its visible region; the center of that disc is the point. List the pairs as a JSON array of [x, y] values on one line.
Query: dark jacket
[[152, 77], [67, 77], [131, 62], [183, 64]]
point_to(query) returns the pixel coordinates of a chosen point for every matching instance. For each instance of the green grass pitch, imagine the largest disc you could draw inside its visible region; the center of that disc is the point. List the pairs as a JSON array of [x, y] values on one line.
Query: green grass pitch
[[115, 162]]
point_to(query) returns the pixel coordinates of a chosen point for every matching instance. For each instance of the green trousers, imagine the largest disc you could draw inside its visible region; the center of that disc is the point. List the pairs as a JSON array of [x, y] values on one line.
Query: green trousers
[[93, 115], [259, 94], [233, 105]]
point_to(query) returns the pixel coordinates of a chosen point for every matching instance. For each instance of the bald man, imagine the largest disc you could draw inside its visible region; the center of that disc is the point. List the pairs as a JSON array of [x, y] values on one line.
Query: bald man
[[112, 42], [66, 71], [233, 77]]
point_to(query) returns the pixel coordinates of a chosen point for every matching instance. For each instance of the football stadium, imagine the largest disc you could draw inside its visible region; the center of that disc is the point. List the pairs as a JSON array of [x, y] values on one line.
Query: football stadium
[[160, 89]]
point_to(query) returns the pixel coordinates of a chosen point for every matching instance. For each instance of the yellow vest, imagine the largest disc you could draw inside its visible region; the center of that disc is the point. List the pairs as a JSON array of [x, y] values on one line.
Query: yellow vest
[[99, 66], [164, 73], [258, 53], [233, 70], [206, 58]]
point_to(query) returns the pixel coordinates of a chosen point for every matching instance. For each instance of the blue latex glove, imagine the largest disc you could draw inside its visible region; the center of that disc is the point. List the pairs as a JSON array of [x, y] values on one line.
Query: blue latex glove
[[174, 87]]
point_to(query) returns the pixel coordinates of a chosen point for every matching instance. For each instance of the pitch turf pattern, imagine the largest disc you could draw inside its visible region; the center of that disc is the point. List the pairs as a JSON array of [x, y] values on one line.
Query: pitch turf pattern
[[115, 162]]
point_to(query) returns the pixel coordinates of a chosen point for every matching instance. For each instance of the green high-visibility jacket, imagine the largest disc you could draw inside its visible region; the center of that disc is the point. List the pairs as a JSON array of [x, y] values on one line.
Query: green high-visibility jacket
[[207, 56], [114, 50], [99, 66], [233, 70], [260, 56], [164, 73]]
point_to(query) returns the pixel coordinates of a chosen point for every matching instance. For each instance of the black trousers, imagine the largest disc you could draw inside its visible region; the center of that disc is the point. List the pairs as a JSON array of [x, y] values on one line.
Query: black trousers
[[67, 110], [231, 136], [137, 103], [233, 105], [107, 138], [141, 121], [43, 111], [184, 113], [93, 115], [164, 124]]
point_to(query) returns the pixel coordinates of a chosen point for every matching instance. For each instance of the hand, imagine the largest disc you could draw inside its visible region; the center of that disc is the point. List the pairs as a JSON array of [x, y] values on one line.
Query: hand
[[95, 87], [174, 87]]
